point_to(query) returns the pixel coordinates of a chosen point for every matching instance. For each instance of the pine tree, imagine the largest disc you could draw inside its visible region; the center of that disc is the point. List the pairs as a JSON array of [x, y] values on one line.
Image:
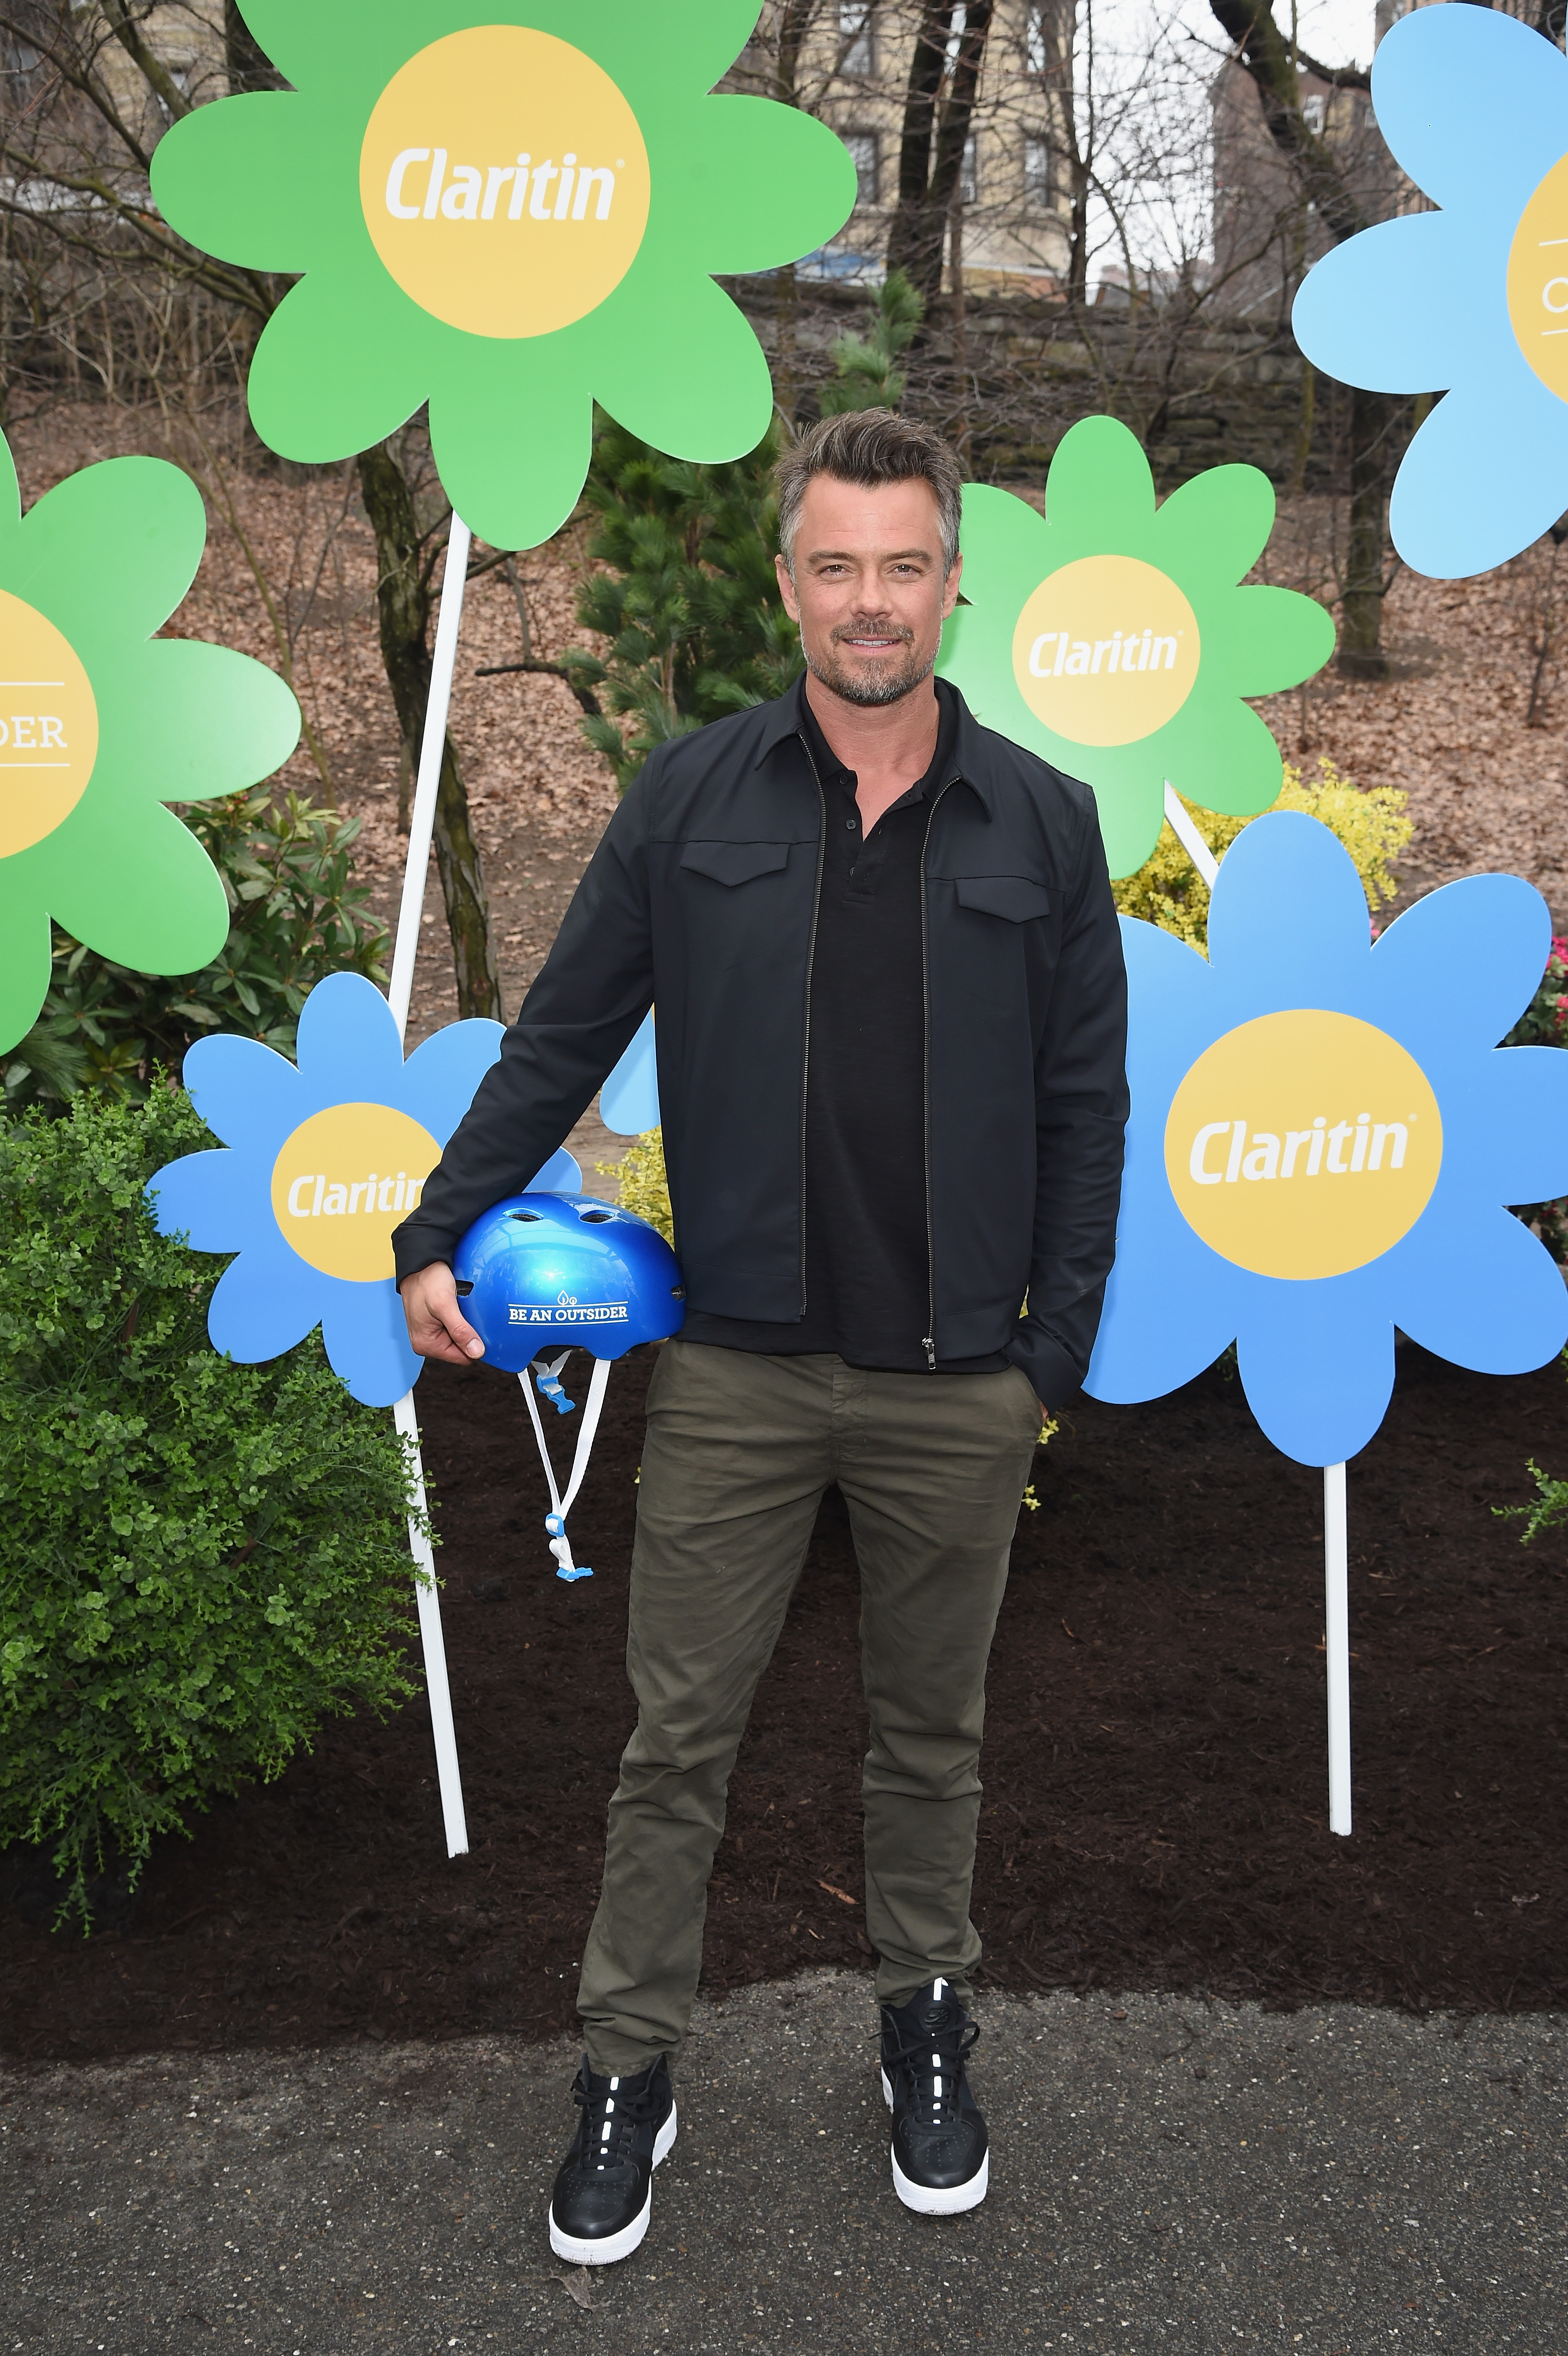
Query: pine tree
[[865, 374], [690, 602], [690, 605]]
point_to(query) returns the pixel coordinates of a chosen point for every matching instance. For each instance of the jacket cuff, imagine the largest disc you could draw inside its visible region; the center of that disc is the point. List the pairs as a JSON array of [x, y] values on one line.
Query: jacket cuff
[[1054, 1375], [415, 1246]]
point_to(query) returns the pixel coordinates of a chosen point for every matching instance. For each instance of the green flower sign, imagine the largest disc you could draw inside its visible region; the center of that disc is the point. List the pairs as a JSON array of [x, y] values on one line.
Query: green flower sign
[[103, 722], [510, 212], [1112, 637]]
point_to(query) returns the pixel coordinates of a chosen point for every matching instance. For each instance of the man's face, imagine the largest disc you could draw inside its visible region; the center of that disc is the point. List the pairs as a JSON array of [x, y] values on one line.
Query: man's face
[[868, 590]]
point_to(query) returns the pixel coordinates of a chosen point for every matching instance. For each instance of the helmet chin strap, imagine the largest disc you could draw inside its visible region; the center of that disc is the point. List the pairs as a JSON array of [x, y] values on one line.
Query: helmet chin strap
[[555, 1521]]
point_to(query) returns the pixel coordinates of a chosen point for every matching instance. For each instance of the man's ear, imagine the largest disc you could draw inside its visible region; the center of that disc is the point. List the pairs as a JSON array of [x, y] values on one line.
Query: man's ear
[[787, 589]]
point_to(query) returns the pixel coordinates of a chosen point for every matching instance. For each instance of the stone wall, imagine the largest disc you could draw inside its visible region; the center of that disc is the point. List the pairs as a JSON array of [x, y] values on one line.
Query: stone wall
[[1014, 371]]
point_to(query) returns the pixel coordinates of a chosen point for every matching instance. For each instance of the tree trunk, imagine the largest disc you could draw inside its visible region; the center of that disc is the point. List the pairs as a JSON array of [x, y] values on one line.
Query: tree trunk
[[1271, 58], [783, 367], [796, 20], [939, 110], [909, 231], [404, 603], [1372, 418], [1306, 423], [959, 425], [1059, 25], [1078, 242]]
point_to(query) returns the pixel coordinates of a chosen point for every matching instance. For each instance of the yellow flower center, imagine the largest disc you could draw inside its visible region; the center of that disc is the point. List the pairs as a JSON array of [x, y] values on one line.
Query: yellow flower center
[[345, 1180], [505, 181], [48, 726], [1304, 1144], [1107, 650], [1538, 281]]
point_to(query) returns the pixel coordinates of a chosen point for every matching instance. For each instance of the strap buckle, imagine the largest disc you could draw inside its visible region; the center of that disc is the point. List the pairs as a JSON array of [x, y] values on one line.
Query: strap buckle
[[547, 1377]]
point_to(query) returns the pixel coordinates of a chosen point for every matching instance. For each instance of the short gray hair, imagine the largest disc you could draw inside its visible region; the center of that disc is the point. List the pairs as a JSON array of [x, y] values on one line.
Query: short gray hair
[[871, 446]]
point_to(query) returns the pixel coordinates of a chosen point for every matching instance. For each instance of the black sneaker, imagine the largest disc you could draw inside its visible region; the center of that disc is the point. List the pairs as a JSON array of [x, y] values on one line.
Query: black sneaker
[[603, 2196], [940, 2163]]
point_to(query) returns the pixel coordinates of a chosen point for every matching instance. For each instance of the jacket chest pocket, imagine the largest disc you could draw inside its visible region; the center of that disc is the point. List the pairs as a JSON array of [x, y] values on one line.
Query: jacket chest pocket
[[734, 862], [1015, 898]]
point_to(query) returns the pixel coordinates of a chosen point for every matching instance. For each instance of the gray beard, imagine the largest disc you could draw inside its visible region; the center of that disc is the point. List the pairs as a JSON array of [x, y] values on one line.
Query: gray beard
[[891, 687]]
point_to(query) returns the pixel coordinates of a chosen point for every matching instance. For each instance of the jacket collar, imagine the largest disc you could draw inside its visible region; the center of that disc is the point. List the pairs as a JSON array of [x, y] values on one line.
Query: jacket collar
[[782, 720]]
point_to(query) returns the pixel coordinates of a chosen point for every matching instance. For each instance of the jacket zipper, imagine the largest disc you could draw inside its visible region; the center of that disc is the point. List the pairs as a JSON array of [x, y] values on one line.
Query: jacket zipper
[[810, 960], [928, 1340]]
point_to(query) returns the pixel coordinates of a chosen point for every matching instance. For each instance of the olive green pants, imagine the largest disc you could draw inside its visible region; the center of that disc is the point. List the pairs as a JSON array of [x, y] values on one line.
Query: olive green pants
[[740, 1449]]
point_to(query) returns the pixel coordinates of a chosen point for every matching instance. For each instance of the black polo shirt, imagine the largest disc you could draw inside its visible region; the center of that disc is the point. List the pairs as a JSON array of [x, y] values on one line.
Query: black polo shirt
[[867, 1265]]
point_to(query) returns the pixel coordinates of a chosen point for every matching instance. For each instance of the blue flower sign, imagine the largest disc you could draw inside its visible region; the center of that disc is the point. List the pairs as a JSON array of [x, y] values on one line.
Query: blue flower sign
[[1324, 1136], [1471, 300], [319, 1163], [629, 1099]]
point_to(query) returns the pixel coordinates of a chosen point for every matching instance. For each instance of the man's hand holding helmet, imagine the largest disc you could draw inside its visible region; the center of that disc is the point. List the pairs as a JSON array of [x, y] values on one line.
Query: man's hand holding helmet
[[437, 1327]]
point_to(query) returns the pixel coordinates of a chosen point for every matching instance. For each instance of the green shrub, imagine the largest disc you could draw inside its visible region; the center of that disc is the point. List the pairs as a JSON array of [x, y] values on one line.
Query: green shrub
[[690, 600], [1548, 1510], [1545, 1022], [1168, 890], [198, 1560], [296, 916], [866, 374]]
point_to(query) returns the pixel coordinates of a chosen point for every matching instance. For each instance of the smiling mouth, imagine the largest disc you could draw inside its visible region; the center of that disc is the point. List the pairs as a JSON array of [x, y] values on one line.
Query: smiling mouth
[[865, 643]]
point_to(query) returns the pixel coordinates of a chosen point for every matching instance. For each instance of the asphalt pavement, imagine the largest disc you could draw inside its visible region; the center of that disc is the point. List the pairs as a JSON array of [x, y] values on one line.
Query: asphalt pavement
[[1166, 2174]]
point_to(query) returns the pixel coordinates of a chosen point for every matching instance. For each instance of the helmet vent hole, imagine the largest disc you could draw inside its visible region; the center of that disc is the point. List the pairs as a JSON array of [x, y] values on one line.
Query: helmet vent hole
[[532, 1215], [463, 1288], [595, 1219]]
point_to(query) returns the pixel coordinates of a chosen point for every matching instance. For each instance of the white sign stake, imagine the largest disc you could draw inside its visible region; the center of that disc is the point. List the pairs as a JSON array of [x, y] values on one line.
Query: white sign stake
[[1186, 834], [1336, 1559], [435, 1679], [1337, 1645], [422, 817], [422, 825]]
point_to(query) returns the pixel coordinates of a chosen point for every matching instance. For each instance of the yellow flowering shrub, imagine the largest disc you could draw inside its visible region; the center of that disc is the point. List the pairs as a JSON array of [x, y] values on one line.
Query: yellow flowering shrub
[[645, 1188], [1168, 891]]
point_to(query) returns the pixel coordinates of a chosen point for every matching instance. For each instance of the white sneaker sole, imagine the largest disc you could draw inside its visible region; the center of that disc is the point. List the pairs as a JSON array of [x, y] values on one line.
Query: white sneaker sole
[[609, 2247], [949, 2201]]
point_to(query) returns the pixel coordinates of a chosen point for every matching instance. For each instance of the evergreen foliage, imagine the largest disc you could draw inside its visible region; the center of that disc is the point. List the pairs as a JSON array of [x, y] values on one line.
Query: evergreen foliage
[[866, 374], [688, 602], [199, 1562], [295, 917], [686, 593], [1545, 1022]]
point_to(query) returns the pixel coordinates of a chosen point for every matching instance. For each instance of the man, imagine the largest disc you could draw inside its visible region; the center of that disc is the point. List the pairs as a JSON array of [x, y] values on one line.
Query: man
[[892, 1020]]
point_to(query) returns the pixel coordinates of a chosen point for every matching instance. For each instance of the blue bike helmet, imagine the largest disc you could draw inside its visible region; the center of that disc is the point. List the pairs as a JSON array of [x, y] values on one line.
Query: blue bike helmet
[[539, 1269], [544, 1269]]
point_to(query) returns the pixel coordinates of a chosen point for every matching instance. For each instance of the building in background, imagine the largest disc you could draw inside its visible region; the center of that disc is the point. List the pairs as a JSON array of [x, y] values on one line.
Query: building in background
[[1266, 237], [1009, 218]]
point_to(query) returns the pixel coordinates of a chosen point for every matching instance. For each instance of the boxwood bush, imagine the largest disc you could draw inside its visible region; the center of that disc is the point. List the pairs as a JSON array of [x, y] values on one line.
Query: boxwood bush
[[199, 1562], [295, 914]]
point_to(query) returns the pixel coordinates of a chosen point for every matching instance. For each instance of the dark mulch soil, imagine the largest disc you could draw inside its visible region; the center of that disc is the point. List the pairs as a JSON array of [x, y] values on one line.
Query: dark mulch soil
[[1155, 1765]]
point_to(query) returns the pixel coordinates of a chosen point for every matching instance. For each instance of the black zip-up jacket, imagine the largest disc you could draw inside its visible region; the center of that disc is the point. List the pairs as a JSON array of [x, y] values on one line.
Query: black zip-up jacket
[[702, 896]]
